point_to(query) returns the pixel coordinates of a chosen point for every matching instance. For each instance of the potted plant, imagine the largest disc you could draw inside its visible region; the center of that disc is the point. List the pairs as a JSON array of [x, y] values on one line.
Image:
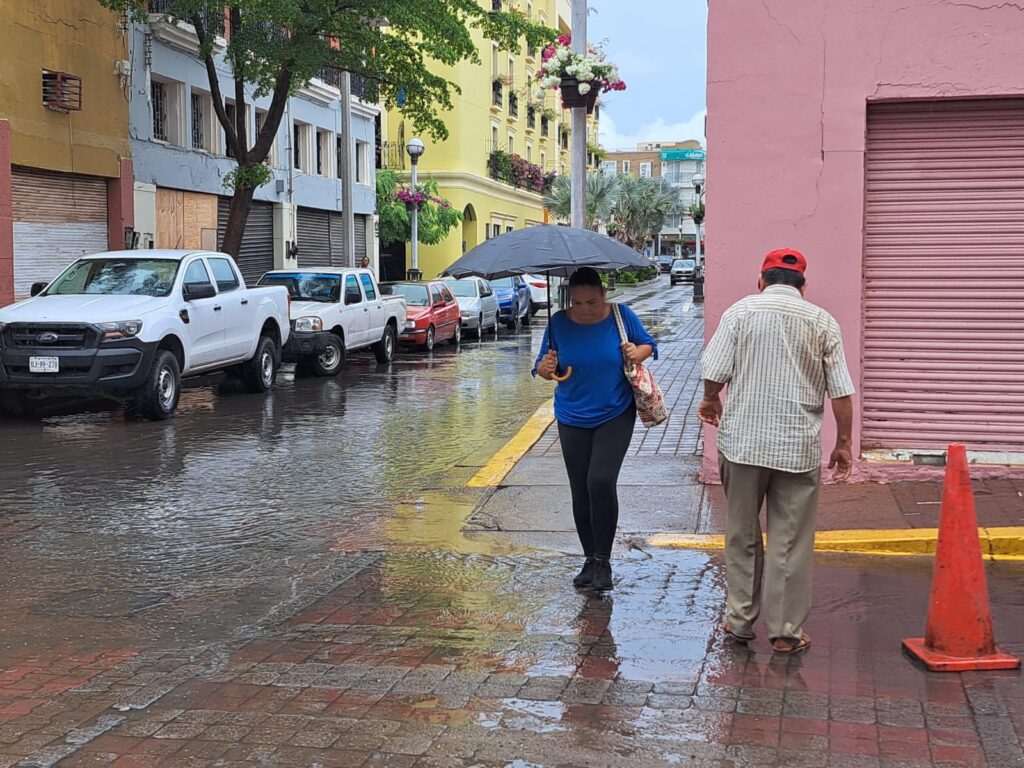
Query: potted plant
[[580, 76]]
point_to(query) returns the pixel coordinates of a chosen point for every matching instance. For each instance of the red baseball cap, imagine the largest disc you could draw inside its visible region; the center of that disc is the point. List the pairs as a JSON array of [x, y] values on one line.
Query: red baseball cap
[[785, 258]]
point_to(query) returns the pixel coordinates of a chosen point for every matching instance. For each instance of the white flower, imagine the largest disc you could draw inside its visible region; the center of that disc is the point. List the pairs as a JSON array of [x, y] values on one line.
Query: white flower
[[584, 89], [539, 94]]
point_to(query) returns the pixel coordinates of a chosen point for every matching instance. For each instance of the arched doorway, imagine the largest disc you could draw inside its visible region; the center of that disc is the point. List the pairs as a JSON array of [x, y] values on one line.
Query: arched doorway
[[470, 237]]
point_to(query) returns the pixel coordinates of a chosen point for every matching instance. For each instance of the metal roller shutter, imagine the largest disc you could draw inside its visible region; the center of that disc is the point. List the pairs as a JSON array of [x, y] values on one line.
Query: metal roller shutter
[[314, 238], [256, 255], [58, 217], [360, 227], [337, 225], [944, 276]]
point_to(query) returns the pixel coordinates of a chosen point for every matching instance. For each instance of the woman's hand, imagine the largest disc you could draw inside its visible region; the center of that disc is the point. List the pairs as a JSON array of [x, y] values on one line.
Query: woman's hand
[[548, 365], [636, 354]]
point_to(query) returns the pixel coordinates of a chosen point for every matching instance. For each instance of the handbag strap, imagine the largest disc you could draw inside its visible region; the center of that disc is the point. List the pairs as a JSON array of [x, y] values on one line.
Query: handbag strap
[[623, 337]]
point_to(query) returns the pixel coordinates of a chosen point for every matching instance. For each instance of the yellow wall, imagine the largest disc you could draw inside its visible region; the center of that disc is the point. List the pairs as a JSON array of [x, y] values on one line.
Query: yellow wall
[[78, 37], [460, 163]]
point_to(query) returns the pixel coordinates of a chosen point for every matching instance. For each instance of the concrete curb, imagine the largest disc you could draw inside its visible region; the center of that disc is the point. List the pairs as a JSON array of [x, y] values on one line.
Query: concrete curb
[[996, 543], [503, 462]]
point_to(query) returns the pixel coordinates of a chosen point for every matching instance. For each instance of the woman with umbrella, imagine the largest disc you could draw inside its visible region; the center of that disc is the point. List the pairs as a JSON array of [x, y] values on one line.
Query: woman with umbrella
[[595, 410]]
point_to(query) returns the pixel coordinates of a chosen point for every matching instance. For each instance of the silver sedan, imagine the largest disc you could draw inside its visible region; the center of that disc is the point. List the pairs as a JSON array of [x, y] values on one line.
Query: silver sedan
[[477, 304]]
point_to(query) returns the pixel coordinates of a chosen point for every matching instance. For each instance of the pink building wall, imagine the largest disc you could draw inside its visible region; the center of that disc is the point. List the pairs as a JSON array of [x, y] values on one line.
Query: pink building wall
[[788, 86]]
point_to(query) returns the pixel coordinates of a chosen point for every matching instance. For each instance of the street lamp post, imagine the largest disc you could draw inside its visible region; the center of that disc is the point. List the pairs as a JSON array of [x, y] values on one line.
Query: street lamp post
[[698, 280], [698, 185], [415, 149]]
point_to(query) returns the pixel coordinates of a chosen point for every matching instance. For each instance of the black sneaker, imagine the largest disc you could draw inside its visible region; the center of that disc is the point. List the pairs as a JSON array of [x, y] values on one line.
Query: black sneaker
[[602, 581], [586, 576]]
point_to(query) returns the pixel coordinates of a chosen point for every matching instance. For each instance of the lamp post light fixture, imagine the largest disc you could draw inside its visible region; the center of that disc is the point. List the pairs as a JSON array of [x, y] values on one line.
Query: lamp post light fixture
[[415, 149]]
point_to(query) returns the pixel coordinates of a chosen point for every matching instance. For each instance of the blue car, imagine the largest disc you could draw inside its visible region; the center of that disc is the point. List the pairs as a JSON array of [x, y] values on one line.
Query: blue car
[[513, 300]]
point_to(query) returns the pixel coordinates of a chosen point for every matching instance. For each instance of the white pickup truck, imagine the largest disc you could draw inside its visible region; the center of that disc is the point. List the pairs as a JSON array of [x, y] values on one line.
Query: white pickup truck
[[132, 324], [335, 311]]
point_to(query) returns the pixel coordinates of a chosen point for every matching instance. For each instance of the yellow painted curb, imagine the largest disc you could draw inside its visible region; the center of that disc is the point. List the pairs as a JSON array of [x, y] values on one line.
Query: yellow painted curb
[[501, 463], [996, 543]]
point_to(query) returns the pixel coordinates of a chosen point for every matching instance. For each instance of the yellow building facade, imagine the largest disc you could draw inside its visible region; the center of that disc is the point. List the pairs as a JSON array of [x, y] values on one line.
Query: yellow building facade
[[65, 173], [497, 110]]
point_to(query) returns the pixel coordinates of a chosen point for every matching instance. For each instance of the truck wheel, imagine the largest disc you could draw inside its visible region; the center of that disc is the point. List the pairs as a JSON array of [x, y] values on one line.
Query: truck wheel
[[384, 350], [456, 338], [428, 345], [157, 398], [260, 372], [13, 404], [329, 362]]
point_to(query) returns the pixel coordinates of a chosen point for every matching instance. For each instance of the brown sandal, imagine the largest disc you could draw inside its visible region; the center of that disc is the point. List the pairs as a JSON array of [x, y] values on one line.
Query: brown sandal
[[787, 647]]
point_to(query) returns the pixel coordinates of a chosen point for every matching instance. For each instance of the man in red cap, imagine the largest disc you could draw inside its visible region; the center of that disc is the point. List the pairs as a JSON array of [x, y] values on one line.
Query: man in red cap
[[780, 356]]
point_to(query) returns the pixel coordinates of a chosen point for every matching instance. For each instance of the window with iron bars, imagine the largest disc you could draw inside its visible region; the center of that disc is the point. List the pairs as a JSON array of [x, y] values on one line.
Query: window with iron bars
[[531, 117], [198, 126], [158, 98], [497, 95], [62, 92], [545, 126], [230, 109], [513, 105]]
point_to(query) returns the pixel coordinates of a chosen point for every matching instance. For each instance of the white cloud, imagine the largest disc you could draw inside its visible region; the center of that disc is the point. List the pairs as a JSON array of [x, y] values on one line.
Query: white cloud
[[657, 130]]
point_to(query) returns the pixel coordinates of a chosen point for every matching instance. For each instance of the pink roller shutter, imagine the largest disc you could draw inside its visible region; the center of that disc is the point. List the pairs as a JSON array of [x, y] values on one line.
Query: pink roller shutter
[[944, 275]]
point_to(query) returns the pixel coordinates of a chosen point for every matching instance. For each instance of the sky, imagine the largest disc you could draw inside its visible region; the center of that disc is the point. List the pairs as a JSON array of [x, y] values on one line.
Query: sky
[[661, 49]]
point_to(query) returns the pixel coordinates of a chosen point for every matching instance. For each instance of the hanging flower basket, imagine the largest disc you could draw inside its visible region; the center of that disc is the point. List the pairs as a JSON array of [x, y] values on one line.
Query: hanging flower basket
[[573, 97], [580, 76]]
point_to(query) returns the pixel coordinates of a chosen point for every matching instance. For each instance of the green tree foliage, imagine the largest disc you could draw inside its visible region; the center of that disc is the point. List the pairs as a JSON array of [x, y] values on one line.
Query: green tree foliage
[[276, 46], [436, 219], [641, 208], [602, 193]]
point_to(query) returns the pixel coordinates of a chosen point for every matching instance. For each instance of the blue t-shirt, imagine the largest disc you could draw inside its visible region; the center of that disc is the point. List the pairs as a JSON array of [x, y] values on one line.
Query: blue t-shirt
[[597, 391]]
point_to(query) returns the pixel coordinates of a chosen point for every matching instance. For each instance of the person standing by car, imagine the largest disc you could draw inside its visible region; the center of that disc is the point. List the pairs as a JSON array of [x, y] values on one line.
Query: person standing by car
[[780, 356], [595, 410], [365, 263]]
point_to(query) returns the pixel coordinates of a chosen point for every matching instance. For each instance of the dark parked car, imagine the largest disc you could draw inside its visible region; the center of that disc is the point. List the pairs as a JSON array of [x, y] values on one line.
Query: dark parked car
[[665, 262]]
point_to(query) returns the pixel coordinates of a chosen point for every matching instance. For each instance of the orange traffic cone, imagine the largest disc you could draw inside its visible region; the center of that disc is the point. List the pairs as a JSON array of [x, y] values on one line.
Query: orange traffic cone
[[958, 636]]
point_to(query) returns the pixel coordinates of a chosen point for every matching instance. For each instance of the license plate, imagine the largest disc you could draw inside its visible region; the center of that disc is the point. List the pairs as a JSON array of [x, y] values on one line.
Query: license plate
[[44, 365]]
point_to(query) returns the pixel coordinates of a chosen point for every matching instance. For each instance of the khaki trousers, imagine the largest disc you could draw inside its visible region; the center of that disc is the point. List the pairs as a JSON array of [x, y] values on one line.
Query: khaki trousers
[[781, 581]]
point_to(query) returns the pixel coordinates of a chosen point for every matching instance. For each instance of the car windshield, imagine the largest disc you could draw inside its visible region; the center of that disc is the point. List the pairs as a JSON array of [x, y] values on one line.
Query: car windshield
[[307, 286], [684, 263], [464, 288], [502, 282], [117, 277], [665, 259], [415, 295]]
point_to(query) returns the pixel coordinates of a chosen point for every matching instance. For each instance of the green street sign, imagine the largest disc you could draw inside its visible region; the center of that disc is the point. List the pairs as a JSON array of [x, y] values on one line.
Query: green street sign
[[682, 154]]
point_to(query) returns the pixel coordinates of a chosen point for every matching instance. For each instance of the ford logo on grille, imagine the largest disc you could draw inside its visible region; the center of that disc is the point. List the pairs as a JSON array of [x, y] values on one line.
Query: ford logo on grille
[[47, 338]]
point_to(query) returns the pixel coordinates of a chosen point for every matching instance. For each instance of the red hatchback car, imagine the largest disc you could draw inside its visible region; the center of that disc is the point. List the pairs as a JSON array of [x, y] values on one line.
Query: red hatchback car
[[432, 313]]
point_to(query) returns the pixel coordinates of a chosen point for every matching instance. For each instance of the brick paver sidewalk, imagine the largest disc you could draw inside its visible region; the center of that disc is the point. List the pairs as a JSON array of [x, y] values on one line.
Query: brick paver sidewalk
[[440, 660]]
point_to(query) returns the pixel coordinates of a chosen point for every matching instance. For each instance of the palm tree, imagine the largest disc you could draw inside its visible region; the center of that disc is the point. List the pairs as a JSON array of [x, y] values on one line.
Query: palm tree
[[642, 206], [602, 194]]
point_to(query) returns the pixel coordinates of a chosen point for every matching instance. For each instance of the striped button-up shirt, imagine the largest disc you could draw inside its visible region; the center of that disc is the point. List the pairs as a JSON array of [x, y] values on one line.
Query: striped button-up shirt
[[780, 355]]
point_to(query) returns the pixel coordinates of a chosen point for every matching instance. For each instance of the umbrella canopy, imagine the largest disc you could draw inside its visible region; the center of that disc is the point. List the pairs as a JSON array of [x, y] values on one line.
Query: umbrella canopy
[[546, 250]]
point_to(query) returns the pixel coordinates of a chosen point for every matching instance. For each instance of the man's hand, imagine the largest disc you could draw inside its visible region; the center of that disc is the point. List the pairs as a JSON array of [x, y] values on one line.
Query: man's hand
[[710, 410], [841, 462], [548, 365]]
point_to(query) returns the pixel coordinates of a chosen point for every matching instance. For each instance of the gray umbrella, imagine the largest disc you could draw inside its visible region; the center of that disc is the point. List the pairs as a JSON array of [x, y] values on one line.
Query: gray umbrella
[[546, 250]]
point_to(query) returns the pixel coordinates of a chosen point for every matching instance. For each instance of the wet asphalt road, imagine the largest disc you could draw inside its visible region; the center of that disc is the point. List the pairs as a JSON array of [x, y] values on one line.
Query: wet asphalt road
[[103, 517]]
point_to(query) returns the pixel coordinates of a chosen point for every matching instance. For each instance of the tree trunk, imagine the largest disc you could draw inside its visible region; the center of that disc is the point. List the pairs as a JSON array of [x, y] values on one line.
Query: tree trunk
[[241, 202]]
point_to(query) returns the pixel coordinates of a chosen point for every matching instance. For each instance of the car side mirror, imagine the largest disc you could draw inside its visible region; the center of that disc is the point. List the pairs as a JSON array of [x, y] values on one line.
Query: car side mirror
[[37, 288], [195, 291]]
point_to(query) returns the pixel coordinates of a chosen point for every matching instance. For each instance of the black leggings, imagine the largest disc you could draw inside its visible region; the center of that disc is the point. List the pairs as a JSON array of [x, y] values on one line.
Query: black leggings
[[593, 458]]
